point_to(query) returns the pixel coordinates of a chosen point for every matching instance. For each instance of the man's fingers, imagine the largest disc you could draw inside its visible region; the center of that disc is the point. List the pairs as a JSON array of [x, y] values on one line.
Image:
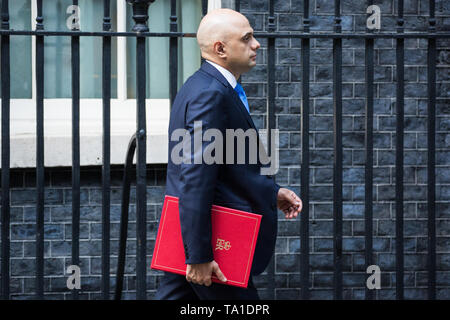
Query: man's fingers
[[188, 273], [219, 273], [284, 205], [297, 205], [290, 204], [293, 198], [200, 274], [292, 212], [287, 212]]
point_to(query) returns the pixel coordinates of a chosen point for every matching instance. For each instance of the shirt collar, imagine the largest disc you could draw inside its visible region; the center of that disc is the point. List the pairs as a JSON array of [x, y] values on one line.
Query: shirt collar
[[227, 74]]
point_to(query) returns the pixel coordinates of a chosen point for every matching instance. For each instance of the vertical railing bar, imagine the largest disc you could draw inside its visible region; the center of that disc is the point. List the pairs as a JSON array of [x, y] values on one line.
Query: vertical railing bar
[[271, 123], [337, 167], [40, 155], [141, 170], [237, 5], [204, 12], [204, 7], [121, 7], [140, 16], [431, 193], [173, 60], [6, 85], [399, 156], [75, 49], [106, 162], [304, 170], [369, 65]]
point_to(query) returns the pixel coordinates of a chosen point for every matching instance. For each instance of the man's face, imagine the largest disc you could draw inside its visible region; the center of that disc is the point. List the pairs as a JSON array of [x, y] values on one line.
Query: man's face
[[241, 47]]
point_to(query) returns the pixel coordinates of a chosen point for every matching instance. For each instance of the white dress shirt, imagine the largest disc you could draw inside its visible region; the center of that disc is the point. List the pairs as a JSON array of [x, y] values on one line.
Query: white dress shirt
[[227, 74]]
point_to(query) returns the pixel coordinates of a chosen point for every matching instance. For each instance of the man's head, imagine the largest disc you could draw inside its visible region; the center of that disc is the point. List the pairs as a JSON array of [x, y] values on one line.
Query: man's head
[[226, 38]]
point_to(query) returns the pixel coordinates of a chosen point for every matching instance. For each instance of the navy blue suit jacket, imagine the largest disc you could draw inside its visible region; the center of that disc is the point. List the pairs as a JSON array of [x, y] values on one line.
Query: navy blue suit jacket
[[208, 97]]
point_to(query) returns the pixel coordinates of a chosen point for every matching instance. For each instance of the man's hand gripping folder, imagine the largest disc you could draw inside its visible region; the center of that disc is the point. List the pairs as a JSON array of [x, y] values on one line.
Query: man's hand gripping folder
[[234, 235]]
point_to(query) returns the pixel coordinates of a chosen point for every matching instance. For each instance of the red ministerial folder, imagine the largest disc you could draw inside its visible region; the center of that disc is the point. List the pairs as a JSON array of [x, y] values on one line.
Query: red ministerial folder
[[234, 235]]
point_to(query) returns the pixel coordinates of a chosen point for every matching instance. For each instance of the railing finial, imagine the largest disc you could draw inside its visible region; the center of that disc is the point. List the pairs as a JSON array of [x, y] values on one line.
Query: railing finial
[[140, 14], [106, 16], [5, 15], [39, 17]]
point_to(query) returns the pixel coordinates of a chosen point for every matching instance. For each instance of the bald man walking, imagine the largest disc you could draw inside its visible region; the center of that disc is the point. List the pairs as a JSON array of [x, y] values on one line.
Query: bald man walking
[[213, 97]]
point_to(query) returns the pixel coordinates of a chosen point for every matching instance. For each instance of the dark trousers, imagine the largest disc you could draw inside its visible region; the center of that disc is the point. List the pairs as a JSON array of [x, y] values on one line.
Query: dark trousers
[[175, 287]]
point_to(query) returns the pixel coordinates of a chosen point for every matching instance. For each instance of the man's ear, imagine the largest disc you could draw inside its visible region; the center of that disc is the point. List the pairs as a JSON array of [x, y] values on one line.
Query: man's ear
[[219, 49]]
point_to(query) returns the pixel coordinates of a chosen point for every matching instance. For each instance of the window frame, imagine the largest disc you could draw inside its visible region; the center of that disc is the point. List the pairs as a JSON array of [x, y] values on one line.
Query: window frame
[[57, 117]]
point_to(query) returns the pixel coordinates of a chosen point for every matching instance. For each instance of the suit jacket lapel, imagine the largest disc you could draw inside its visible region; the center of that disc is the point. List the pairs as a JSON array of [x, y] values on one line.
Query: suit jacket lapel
[[208, 68]]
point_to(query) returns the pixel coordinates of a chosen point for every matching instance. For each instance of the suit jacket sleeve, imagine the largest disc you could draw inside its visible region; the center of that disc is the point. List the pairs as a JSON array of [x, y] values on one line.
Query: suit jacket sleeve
[[277, 188], [198, 179]]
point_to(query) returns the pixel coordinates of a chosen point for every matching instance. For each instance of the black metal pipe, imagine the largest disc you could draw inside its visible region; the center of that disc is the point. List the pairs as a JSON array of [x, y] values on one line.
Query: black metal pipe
[[304, 170], [6, 86], [399, 157], [39, 155], [106, 163], [126, 183]]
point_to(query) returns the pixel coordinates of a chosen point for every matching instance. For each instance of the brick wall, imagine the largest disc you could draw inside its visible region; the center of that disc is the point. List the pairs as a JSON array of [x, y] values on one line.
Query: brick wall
[[288, 120], [58, 231], [288, 17]]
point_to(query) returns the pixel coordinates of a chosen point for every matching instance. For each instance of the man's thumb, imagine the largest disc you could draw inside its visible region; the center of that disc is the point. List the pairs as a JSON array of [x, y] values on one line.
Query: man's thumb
[[219, 273]]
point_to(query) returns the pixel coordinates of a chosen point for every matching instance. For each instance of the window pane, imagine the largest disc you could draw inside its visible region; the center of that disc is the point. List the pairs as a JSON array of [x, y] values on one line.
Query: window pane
[[58, 62], [190, 17], [157, 55], [20, 49]]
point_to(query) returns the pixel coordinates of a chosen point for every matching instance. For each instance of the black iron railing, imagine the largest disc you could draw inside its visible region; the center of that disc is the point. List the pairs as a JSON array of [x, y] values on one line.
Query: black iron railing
[[141, 32]]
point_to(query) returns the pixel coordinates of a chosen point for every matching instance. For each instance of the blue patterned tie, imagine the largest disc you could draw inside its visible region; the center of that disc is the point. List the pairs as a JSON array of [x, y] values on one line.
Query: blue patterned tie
[[240, 91]]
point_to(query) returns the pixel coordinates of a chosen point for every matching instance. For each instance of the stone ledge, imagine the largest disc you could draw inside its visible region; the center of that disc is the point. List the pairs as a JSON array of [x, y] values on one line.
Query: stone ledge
[[58, 131]]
